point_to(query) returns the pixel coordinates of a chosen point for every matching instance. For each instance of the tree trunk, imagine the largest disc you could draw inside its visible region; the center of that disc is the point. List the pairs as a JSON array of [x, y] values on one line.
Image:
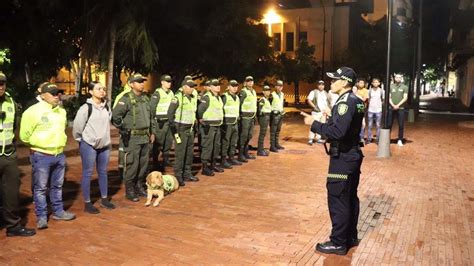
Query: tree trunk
[[110, 66], [79, 73], [27, 76], [297, 92], [89, 71]]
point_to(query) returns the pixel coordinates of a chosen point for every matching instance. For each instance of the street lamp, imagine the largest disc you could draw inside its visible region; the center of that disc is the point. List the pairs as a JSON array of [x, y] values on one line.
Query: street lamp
[[271, 17]]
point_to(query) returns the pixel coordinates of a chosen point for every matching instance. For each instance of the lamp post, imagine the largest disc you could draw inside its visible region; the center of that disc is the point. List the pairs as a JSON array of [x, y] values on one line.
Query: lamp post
[[324, 38]]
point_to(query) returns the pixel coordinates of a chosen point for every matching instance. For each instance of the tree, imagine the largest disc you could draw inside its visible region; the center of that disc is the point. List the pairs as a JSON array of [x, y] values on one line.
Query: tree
[[301, 68]]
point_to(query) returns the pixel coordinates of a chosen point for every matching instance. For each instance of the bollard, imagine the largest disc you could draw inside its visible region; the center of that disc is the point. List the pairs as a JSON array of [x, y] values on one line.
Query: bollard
[[383, 148], [411, 115]]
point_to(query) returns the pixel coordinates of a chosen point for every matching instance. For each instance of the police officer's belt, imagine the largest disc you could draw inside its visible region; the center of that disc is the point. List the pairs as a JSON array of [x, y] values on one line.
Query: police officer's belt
[[139, 132]]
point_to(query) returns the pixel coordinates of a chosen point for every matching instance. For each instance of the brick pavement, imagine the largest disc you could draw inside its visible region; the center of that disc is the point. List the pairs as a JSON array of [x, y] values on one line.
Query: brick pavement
[[416, 208]]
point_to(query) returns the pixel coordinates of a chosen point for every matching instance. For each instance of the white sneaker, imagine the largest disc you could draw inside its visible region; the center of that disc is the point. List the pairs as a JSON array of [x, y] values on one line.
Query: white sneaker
[[400, 143]]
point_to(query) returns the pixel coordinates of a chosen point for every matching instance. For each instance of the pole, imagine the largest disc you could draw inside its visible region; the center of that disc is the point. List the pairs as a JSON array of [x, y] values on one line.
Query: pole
[[383, 149], [324, 38], [418, 52]]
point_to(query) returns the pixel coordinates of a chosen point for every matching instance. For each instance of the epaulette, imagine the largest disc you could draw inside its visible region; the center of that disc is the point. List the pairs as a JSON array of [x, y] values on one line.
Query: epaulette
[[343, 98]]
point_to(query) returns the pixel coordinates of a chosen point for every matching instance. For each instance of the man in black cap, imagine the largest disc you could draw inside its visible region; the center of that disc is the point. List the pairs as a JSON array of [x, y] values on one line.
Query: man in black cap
[[319, 100], [248, 110], [342, 131], [160, 102], [277, 99], [132, 117], [9, 173]]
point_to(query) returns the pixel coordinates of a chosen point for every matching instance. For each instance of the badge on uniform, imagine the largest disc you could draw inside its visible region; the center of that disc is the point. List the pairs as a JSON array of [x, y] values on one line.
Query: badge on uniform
[[342, 108]]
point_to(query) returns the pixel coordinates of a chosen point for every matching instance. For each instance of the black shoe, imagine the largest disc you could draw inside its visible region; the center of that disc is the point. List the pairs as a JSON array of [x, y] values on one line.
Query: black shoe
[[216, 168], [353, 242], [225, 164], [207, 171], [278, 146], [331, 248], [273, 149], [181, 183], [141, 192], [234, 162], [20, 230], [249, 157], [262, 153], [191, 178], [104, 202], [131, 196], [89, 208], [243, 159]]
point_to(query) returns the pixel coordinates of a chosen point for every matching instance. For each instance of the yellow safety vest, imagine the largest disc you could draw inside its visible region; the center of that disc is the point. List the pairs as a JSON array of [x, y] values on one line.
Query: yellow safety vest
[[249, 106], [186, 112], [215, 111], [6, 127], [164, 103], [277, 102], [231, 107], [266, 108]]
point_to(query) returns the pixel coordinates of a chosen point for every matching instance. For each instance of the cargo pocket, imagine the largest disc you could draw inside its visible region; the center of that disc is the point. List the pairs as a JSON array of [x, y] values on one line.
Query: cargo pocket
[[128, 159], [336, 188]]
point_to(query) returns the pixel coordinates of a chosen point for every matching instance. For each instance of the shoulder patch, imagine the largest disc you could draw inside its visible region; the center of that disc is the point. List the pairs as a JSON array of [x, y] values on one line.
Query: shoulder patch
[[154, 96], [342, 109], [174, 100], [121, 103]]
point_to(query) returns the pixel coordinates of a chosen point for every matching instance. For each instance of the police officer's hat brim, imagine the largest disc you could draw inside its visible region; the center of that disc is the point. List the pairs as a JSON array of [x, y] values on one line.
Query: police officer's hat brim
[[137, 80]]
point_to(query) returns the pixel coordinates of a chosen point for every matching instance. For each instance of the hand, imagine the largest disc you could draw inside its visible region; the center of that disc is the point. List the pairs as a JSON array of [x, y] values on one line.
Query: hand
[[308, 119], [152, 138], [396, 107]]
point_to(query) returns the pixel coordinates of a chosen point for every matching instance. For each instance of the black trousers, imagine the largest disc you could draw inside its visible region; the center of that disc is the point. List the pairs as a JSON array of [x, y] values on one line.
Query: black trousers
[[343, 202], [9, 190]]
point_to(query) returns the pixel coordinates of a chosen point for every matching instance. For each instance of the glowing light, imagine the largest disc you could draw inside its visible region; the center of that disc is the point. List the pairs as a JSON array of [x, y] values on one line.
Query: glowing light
[[271, 17]]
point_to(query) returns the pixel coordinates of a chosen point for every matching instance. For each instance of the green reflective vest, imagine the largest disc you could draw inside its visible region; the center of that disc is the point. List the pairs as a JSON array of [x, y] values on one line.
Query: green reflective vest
[[267, 107], [6, 127], [277, 102], [43, 128], [164, 103], [126, 89], [215, 112], [231, 108], [249, 105], [186, 112]]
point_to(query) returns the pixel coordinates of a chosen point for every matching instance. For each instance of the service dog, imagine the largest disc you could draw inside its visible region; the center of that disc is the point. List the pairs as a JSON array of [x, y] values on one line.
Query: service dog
[[158, 185]]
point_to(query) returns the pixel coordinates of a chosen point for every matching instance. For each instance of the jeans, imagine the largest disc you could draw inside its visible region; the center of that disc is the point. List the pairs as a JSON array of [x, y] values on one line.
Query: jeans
[[48, 168], [378, 119], [89, 157], [400, 114]]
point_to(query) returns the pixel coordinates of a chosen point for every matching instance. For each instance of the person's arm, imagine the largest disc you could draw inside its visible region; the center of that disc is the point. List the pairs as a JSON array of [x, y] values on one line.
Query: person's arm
[[405, 97], [80, 122], [154, 100], [172, 111], [242, 96], [310, 98], [337, 127], [119, 112], [203, 105], [27, 125]]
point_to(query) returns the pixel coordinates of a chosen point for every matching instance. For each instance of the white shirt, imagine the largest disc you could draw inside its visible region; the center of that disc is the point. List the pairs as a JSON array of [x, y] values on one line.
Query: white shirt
[[322, 99], [375, 101], [333, 96]]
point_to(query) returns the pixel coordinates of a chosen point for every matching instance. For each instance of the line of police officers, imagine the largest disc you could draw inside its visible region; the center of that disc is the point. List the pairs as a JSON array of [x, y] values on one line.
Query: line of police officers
[[223, 124]]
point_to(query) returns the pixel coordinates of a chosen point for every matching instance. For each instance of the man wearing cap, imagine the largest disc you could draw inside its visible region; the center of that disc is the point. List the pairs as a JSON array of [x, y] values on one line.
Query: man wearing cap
[[43, 128], [248, 110], [230, 128], [160, 102], [211, 115], [9, 173], [342, 131], [277, 99], [132, 117], [264, 110], [319, 100], [181, 117]]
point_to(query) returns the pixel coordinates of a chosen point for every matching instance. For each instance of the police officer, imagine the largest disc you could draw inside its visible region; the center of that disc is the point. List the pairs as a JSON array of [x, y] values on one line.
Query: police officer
[[132, 117], [248, 110], [9, 174], [126, 89], [264, 110], [342, 131], [211, 115], [277, 99], [230, 128], [181, 117], [160, 102]]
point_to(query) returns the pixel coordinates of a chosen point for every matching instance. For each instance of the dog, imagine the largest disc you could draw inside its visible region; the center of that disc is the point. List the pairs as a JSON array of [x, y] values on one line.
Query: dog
[[158, 185]]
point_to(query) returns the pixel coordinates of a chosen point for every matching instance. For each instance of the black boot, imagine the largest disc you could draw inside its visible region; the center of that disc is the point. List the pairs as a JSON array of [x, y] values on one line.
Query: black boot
[[141, 191], [130, 193], [262, 152], [331, 248], [216, 168], [20, 230], [206, 170], [273, 149], [166, 160], [225, 163], [181, 181], [242, 156], [89, 208], [278, 146], [233, 161], [247, 155]]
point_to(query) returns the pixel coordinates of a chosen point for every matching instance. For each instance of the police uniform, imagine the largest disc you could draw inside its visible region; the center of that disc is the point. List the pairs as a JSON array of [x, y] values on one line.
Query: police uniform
[[342, 131], [182, 116], [9, 173], [230, 128], [126, 89], [276, 120], [264, 110], [211, 114], [160, 102], [132, 117], [248, 110]]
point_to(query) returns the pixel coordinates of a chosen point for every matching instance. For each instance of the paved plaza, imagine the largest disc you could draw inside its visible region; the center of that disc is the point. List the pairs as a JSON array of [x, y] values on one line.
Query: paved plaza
[[416, 208]]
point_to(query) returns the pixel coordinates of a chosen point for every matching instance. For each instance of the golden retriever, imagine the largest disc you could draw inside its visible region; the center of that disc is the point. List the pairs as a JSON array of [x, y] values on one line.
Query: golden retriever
[[158, 185]]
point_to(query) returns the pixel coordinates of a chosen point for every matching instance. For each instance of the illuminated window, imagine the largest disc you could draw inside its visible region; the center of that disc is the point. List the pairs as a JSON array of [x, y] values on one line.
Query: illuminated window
[[277, 42]]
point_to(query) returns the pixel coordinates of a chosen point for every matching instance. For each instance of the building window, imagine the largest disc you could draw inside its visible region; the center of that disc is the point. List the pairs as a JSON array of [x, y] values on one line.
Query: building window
[[303, 36], [277, 42], [290, 38]]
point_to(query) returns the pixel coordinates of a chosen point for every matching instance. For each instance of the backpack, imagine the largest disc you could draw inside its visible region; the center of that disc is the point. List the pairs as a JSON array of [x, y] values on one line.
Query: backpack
[[89, 112]]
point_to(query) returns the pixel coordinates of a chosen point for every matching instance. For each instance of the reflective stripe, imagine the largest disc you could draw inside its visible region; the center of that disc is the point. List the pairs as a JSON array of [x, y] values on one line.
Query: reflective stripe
[[277, 102], [266, 108], [250, 102], [164, 103], [7, 135], [186, 111], [215, 112], [338, 176], [231, 107]]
